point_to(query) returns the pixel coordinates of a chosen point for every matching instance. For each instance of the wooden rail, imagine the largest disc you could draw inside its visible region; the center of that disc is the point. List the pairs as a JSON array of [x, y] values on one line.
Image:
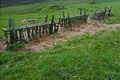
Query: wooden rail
[[102, 14], [31, 32]]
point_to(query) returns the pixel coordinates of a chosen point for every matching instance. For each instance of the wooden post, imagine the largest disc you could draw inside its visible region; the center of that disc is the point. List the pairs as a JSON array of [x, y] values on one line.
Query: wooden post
[[33, 36], [55, 28], [85, 16], [46, 18], [109, 12], [28, 33], [51, 25], [80, 11], [40, 31], [20, 35], [63, 14], [13, 30], [84, 12], [36, 32], [69, 21], [11, 35], [60, 22]]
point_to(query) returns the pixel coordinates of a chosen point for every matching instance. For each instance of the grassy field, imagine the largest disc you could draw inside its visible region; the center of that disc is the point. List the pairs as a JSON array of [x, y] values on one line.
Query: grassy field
[[86, 57], [39, 11]]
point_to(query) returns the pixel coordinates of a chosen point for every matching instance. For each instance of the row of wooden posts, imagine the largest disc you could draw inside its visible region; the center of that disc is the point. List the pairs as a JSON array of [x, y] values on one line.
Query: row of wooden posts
[[31, 32], [102, 14]]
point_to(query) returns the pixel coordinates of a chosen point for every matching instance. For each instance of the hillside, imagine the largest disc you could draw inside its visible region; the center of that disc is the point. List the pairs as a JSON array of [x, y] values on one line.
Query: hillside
[[6, 3]]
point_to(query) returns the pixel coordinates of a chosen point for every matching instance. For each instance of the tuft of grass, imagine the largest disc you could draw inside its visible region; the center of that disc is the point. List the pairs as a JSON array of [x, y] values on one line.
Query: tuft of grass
[[15, 46]]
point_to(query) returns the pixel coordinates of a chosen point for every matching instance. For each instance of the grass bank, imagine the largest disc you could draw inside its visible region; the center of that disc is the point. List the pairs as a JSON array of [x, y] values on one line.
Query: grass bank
[[85, 57]]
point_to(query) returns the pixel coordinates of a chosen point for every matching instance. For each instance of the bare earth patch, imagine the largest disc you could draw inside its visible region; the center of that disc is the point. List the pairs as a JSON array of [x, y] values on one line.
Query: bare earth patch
[[64, 35], [28, 20]]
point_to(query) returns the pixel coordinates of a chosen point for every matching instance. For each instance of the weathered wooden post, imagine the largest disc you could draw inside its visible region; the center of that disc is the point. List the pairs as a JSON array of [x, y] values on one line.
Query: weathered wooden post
[[69, 21], [80, 11], [60, 22], [14, 30], [63, 14], [51, 25], [28, 33], [109, 12], [105, 11], [9, 25], [13, 35], [46, 18], [84, 12], [85, 17], [40, 31]]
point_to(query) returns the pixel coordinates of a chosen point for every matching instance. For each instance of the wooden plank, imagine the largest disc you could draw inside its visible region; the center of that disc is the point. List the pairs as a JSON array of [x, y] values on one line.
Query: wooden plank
[[4, 29]]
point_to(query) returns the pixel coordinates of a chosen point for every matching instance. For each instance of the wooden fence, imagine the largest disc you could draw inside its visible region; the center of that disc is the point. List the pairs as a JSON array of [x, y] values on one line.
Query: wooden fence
[[31, 32], [102, 14]]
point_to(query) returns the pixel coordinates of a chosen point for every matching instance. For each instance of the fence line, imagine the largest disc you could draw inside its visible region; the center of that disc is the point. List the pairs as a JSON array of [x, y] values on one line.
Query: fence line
[[31, 32], [102, 14]]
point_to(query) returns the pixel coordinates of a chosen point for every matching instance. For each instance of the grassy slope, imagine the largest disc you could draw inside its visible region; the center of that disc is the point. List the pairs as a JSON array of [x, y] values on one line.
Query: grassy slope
[[30, 11], [23, 2], [87, 57]]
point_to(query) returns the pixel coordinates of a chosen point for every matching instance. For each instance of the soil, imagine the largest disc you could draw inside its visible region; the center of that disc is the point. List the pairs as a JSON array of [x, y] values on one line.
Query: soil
[[28, 20], [64, 35]]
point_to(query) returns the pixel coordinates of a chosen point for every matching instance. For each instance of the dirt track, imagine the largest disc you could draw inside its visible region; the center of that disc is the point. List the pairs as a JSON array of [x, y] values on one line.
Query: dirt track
[[64, 35]]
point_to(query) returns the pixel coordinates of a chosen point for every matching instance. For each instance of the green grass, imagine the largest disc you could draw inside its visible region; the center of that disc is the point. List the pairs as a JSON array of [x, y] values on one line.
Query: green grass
[[32, 11], [86, 57]]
